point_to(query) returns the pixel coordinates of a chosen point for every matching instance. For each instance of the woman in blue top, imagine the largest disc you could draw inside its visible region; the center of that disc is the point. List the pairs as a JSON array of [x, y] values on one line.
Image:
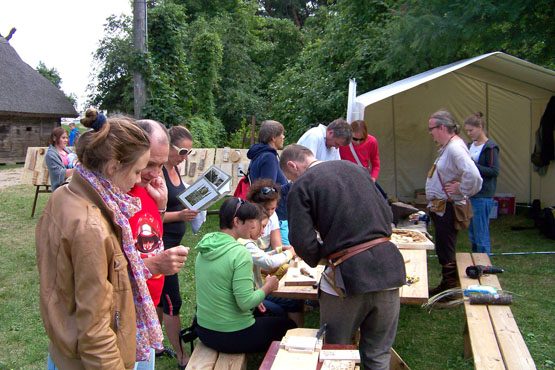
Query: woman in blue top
[[265, 164], [485, 153]]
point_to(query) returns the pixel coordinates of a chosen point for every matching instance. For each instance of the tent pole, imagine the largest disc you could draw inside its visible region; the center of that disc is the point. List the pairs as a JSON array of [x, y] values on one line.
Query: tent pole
[[531, 150], [394, 147], [487, 108]]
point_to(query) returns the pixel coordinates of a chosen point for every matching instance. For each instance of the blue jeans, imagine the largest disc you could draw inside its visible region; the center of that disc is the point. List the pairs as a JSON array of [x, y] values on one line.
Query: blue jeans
[[146, 365], [478, 230], [50, 365], [284, 232]]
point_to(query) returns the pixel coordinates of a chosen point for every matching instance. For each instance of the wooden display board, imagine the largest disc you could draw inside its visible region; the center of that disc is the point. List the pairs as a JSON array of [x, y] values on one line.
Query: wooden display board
[[197, 163], [35, 171], [230, 160]]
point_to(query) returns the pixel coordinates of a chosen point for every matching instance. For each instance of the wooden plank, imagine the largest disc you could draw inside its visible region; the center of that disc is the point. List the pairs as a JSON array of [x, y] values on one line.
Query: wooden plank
[[416, 265], [294, 277], [298, 292], [483, 342], [231, 361], [511, 343], [427, 244], [396, 362], [203, 358], [207, 155]]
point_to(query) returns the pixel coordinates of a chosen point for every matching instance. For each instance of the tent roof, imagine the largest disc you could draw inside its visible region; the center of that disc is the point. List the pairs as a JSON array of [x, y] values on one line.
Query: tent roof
[[497, 68], [24, 90]]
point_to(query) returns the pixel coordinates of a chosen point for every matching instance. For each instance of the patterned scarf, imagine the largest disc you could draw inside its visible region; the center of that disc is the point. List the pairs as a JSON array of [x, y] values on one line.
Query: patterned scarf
[[149, 333]]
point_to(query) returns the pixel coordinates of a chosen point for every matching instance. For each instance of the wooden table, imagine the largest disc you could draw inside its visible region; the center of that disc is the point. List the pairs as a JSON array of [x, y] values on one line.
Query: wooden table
[[416, 265], [274, 348]]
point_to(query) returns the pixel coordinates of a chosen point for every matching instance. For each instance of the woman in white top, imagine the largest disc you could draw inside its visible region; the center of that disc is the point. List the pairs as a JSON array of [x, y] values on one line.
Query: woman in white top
[[266, 193], [485, 153]]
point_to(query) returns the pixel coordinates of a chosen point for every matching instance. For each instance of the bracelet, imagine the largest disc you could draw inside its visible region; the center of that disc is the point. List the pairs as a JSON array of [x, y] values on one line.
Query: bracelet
[[163, 210]]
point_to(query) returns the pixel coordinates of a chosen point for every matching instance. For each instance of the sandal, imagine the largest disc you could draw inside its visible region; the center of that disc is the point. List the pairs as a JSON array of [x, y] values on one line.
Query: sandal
[[166, 352]]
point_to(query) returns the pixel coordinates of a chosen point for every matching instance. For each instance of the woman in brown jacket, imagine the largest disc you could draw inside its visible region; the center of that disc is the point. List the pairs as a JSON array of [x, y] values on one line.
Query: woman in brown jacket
[[94, 301]]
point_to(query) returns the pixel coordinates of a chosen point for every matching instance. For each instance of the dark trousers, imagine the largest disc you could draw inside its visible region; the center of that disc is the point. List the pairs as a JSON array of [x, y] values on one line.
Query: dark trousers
[[375, 313], [446, 235], [254, 339]]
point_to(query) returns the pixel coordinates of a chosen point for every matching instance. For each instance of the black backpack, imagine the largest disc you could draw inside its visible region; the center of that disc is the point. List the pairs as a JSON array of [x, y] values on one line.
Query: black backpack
[[188, 335], [547, 223]]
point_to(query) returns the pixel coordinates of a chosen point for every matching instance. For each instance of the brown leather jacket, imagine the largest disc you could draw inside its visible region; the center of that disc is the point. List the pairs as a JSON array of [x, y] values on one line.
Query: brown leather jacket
[[86, 300]]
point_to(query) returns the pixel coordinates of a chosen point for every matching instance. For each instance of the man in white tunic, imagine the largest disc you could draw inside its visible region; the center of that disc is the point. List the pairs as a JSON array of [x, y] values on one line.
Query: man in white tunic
[[324, 141]]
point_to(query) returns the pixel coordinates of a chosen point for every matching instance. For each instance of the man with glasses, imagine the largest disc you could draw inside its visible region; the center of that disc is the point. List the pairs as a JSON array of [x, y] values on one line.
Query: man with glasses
[[451, 181], [361, 290], [324, 142]]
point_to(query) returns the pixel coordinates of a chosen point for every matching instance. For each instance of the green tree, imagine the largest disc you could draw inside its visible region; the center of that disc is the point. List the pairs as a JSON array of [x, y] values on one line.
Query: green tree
[[426, 34], [297, 11], [52, 75], [114, 58], [344, 41]]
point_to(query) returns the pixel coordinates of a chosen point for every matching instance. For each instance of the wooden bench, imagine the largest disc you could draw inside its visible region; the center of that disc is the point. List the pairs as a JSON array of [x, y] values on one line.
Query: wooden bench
[[491, 334], [206, 358]]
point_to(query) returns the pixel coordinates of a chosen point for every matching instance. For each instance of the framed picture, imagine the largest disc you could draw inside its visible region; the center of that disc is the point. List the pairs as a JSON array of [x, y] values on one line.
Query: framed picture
[[217, 177], [201, 195]]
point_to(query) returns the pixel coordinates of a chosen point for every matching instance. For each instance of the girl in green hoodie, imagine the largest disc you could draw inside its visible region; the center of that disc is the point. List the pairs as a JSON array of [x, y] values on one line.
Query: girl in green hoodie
[[225, 287]]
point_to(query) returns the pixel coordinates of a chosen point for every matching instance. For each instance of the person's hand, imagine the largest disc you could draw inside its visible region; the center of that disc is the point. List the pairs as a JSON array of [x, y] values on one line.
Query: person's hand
[[261, 307], [169, 262], [271, 284], [188, 214], [158, 192], [373, 179], [452, 187], [290, 249]]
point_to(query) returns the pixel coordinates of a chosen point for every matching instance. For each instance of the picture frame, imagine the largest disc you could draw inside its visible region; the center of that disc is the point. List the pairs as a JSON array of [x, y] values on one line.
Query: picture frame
[[216, 177], [212, 186], [200, 195]]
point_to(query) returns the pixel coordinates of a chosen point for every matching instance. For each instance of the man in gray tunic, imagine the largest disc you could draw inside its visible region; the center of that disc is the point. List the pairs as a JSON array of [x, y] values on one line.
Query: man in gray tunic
[[340, 201]]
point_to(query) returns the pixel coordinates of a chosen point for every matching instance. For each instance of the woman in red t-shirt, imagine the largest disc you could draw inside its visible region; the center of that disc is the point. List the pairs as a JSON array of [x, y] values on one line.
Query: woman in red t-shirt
[[366, 148]]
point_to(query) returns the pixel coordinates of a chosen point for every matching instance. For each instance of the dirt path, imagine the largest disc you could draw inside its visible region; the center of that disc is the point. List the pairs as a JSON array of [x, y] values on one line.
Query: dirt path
[[10, 177]]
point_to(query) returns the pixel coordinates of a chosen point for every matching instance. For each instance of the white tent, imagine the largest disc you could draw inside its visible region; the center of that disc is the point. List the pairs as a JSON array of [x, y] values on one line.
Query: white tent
[[512, 94]]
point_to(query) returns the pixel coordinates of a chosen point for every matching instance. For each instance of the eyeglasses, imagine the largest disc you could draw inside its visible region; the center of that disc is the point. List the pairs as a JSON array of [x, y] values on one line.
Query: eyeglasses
[[239, 204], [266, 190], [430, 129], [182, 151], [358, 139]]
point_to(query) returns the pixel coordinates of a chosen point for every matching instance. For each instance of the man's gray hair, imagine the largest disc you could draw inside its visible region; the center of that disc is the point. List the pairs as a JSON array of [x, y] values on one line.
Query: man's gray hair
[[341, 129], [152, 127], [295, 153], [268, 130]]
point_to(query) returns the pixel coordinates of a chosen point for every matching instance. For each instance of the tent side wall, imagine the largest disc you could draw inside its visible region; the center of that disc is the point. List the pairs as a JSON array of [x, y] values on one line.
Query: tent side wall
[[400, 124], [407, 151]]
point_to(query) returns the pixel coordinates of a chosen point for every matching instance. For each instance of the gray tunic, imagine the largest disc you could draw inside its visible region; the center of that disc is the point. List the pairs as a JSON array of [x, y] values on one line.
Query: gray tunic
[[340, 200]]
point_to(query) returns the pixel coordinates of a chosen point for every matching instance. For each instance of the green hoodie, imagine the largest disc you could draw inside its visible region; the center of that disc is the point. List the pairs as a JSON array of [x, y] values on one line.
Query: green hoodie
[[224, 284]]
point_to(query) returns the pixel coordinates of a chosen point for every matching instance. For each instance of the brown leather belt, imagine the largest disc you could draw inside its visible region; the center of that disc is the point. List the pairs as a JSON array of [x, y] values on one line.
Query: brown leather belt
[[345, 254]]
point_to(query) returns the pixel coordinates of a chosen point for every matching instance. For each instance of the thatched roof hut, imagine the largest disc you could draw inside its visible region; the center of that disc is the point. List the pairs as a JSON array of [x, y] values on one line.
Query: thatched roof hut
[[30, 106]]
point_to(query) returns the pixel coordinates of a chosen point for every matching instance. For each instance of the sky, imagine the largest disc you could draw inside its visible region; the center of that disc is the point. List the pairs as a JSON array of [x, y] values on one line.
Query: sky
[[61, 33]]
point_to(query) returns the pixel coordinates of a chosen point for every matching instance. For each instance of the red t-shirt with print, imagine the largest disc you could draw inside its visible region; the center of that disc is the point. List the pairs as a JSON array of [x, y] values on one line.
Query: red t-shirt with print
[[147, 228]]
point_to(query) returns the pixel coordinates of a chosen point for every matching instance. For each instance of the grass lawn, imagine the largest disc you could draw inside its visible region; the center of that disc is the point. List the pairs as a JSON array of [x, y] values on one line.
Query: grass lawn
[[424, 340]]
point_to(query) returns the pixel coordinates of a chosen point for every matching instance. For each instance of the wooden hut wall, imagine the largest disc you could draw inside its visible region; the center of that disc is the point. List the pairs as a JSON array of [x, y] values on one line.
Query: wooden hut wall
[[18, 133]]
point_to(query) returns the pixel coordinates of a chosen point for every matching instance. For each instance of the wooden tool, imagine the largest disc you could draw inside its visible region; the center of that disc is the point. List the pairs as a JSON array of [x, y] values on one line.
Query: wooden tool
[[202, 160], [192, 168]]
